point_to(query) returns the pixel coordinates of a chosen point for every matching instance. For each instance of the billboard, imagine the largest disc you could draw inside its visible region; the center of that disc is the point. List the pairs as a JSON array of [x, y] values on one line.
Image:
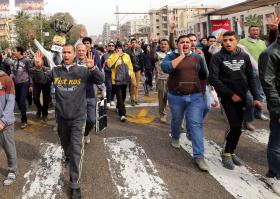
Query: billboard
[[4, 5], [220, 26], [26, 5]]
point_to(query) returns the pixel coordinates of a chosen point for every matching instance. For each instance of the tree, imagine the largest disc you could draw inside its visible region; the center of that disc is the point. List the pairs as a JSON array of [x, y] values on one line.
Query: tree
[[253, 20], [4, 44]]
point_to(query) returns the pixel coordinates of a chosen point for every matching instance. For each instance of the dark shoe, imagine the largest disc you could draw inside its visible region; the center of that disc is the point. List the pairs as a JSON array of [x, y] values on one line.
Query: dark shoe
[[133, 103], [45, 118], [76, 194], [38, 115], [236, 160], [227, 161]]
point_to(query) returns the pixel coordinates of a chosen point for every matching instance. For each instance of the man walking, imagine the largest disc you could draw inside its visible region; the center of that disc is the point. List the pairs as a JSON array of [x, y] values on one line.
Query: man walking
[[7, 119], [186, 90], [270, 78], [70, 81]]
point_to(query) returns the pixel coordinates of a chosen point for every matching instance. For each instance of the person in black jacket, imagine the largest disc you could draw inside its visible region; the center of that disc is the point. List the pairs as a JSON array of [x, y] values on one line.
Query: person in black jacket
[[41, 84], [231, 74], [70, 81], [270, 78]]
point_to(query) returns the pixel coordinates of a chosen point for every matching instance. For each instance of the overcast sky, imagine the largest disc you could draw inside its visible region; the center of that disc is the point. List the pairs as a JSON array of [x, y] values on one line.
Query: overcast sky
[[94, 13]]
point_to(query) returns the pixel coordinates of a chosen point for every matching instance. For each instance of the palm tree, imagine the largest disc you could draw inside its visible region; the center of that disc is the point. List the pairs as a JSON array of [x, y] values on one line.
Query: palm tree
[[253, 20]]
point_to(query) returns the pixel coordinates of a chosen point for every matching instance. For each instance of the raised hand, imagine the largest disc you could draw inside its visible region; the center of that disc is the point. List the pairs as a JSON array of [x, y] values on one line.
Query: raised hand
[[273, 21], [82, 33], [90, 60], [38, 59], [172, 23]]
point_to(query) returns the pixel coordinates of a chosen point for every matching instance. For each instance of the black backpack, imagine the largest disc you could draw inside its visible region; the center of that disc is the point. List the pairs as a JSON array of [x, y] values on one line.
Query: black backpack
[[122, 74]]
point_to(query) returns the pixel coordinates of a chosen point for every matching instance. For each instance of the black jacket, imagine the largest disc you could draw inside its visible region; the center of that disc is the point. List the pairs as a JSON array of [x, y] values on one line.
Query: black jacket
[[232, 74], [70, 89], [269, 70], [136, 59]]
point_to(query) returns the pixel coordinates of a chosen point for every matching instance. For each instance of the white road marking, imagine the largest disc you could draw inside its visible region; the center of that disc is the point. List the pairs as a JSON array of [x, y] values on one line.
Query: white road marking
[[258, 136], [241, 182], [132, 171], [43, 179]]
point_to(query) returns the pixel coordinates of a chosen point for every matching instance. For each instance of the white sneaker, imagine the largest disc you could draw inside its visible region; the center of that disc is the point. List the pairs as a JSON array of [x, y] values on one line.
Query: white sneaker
[[10, 179], [87, 139], [274, 184], [112, 103], [108, 105], [123, 118], [175, 143]]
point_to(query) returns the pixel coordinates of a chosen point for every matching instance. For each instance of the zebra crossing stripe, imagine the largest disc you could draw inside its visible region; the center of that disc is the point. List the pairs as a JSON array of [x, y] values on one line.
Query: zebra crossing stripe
[[258, 136], [242, 182], [132, 171], [43, 179]]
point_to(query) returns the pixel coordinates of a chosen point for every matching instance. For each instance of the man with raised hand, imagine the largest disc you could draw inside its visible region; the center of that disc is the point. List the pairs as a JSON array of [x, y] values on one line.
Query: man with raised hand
[[70, 81], [186, 90]]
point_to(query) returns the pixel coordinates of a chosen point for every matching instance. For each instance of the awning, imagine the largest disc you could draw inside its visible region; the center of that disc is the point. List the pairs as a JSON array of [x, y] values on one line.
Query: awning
[[246, 5]]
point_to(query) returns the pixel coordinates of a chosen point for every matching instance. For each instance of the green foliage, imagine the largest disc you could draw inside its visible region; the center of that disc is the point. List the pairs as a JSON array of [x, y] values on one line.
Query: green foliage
[[24, 23], [253, 20], [4, 44]]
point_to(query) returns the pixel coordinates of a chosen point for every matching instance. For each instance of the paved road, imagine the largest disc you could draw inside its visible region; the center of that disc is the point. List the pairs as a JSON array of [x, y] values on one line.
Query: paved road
[[135, 160]]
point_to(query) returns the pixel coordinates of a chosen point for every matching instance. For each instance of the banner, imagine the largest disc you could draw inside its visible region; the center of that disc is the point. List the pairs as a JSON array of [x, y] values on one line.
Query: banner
[[220, 26], [26, 5], [4, 5]]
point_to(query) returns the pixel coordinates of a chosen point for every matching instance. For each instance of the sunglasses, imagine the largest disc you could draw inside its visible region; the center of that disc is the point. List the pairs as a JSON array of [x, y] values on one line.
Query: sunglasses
[[111, 45]]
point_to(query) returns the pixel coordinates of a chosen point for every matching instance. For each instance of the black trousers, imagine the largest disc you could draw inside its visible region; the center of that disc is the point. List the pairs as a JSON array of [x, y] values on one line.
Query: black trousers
[[121, 95], [71, 134], [46, 90], [234, 113]]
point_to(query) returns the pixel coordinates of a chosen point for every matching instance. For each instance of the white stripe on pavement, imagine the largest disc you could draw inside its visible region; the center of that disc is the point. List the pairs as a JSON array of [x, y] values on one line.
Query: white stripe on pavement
[[240, 182], [258, 136], [132, 171], [43, 179]]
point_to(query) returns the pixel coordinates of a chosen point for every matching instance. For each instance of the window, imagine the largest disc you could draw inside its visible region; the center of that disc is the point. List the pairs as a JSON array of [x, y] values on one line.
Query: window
[[158, 34], [157, 27], [164, 18], [2, 27], [165, 33], [157, 20], [165, 25]]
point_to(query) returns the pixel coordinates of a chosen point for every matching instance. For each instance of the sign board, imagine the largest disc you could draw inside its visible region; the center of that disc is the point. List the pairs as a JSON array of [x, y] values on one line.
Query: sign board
[[220, 26]]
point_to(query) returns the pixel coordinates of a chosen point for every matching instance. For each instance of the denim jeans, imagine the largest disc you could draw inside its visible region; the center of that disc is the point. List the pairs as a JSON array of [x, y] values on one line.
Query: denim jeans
[[109, 88], [21, 97], [273, 148], [193, 107]]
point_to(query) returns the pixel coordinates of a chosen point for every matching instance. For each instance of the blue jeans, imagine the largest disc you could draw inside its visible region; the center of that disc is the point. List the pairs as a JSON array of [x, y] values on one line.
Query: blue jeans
[[21, 97], [273, 148], [193, 107], [109, 88]]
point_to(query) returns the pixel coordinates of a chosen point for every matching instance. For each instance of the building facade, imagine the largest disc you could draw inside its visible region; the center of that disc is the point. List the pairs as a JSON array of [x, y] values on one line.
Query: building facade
[[109, 32], [159, 18]]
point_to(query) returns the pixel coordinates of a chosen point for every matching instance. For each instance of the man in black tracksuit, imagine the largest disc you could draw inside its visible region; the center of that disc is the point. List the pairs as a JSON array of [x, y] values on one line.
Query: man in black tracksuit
[[231, 74], [70, 81]]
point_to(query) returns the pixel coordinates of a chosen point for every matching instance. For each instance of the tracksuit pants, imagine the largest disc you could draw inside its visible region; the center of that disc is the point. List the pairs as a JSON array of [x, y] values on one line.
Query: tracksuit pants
[[71, 134], [7, 141], [235, 113]]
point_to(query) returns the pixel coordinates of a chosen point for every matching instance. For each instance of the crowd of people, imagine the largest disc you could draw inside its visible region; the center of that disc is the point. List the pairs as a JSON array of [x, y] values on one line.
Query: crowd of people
[[189, 75]]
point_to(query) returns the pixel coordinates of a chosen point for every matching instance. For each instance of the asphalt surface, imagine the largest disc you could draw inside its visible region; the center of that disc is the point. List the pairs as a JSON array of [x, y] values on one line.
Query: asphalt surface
[[175, 167]]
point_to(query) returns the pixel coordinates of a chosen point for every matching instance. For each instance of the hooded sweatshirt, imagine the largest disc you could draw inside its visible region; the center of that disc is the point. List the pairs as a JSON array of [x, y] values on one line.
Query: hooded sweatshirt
[[232, 73], [7, 99]]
